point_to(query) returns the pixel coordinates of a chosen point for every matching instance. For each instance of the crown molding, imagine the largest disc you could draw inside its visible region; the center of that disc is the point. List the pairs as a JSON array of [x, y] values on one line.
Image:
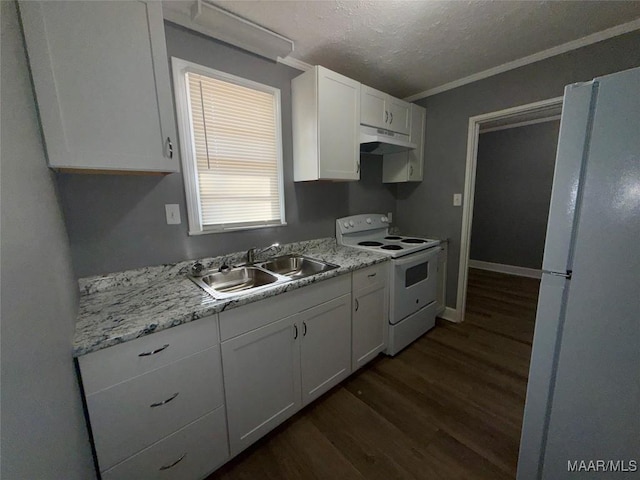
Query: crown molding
[[536, 57]]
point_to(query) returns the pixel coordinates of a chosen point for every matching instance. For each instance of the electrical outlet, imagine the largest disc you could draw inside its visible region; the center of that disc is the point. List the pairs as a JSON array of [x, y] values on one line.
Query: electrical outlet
[[457, 199], [173, 213], [390, 217]]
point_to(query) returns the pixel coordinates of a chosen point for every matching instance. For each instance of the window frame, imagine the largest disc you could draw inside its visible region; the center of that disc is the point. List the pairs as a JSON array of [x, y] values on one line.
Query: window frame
[[180, 68]]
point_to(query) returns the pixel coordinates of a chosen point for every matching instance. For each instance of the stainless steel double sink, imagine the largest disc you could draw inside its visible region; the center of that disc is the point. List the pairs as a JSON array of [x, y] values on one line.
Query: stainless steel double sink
[[250, 278]]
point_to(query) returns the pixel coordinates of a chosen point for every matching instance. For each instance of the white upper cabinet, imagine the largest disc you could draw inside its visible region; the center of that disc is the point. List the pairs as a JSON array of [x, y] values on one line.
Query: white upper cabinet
[[101, 79], [326, 121], [408, 166], [381, 110]]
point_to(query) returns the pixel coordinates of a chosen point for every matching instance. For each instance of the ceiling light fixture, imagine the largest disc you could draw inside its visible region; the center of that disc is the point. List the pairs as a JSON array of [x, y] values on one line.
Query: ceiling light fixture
[[215, 22]]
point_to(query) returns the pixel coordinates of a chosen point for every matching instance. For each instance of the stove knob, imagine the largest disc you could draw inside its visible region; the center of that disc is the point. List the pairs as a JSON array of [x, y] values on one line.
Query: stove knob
[[369, 221], [351, 223], [345, 224], [384, 219]]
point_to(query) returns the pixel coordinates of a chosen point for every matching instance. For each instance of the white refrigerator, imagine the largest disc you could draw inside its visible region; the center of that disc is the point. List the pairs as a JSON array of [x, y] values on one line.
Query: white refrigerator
[[582, 412]]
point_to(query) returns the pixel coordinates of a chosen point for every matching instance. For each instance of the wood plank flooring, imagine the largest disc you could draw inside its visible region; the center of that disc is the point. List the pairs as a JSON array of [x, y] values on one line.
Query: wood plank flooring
[[448, 407]]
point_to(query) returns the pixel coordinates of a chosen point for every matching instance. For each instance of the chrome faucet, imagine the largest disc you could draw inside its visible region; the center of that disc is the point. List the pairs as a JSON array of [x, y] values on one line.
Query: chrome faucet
[[253, 251]]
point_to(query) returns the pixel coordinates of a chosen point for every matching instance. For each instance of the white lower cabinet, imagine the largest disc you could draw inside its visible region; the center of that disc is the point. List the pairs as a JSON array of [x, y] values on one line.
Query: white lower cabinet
[[154, 399], [369, 314], [262, 381], [325, 346], [180, 403], [190, 453], [270, 372]]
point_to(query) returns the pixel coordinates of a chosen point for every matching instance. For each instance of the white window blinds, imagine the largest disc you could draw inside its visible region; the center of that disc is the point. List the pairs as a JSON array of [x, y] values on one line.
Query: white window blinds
[[235, 152]]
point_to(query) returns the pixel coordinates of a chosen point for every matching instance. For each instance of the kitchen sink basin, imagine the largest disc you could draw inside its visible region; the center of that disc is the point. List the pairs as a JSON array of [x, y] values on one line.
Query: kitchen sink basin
[[296, 266], [237, 280]]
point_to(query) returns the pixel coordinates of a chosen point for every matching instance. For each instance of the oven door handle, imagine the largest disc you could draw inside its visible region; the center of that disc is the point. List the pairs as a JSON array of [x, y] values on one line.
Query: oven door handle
[[417, 258]]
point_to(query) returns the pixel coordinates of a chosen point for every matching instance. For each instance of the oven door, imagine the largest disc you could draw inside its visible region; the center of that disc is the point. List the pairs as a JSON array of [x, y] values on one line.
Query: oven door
[[413, 283]]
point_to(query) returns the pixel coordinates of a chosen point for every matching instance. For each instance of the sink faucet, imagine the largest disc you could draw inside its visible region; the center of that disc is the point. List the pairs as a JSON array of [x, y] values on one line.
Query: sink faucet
[[253, 251]]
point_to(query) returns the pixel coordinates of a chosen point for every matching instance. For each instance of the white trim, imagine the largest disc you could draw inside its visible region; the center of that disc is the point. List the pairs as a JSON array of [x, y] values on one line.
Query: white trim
[[536, 57], [295, 63], [180, 67], [470, 182], [520, 124], [450, 314], [508, 269]]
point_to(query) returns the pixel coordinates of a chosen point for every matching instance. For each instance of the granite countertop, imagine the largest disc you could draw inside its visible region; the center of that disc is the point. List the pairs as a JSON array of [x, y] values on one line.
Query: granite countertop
[[119, 307]]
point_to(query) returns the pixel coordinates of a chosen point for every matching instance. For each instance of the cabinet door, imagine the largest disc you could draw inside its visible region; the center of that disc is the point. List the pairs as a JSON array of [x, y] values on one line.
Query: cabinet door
[[408, 166], [417, 136], [372, 107], [369, 319], [101, 78], [338, 126], [261, 380], [325, 347], [399, 115]]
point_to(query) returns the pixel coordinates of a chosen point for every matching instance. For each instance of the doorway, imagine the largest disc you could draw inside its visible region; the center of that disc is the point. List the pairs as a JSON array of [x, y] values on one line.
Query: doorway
[[521, 116]]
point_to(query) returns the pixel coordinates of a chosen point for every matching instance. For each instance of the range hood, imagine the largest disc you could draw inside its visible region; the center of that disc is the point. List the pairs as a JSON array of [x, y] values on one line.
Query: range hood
[[378, 141]]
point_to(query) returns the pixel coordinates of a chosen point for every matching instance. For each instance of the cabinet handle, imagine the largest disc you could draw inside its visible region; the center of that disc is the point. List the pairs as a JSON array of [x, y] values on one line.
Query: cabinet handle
[[153, 352], [167, 467], [357, 167], [159, 404], [304, 330], [372, 275], [390, 118], [295, 335], [170, 147], [410, 170], [357, 305], [386, 116]]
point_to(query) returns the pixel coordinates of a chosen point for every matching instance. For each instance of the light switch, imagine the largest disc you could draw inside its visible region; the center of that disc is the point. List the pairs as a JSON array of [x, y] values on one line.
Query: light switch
[[457, 199], [173, 213]]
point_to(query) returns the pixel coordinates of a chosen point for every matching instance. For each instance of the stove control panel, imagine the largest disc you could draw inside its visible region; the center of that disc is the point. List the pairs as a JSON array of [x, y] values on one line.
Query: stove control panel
[[360, 223]]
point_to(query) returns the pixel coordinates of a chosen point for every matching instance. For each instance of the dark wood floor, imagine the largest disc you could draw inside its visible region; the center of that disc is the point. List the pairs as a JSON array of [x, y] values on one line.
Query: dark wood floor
[[448, 407]]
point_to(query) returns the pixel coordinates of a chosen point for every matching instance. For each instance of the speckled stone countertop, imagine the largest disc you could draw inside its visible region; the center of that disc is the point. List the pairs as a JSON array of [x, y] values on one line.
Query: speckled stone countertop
[[119, 307]]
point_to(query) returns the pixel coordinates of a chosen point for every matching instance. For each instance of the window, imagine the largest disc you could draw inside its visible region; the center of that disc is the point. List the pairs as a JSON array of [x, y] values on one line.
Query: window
[[231, 144]]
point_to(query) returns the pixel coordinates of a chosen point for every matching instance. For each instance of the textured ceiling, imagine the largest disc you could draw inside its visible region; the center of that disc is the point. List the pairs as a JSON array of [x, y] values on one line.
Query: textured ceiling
[[406, 47]]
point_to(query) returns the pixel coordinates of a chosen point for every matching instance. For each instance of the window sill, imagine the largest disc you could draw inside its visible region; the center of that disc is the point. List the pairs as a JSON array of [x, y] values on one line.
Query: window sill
[[235, 229]]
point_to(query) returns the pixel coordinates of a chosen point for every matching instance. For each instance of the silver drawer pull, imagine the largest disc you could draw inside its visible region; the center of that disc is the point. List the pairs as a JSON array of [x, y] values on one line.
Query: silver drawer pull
[[357, 305], [372, 275], [153, 352], [167, 467], [164, 401]]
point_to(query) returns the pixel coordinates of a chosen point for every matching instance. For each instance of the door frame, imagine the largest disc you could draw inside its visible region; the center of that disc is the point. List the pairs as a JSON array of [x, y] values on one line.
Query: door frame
[[475, 124]]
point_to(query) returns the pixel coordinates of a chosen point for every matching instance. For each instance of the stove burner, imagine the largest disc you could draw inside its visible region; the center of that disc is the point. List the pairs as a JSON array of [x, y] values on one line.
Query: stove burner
[[392, 247], [370, 244], [413, 240], [392, 238]]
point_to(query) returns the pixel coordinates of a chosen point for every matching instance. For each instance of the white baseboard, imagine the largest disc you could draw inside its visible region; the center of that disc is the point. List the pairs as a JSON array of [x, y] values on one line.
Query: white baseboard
[[508, 269], [450, 314]]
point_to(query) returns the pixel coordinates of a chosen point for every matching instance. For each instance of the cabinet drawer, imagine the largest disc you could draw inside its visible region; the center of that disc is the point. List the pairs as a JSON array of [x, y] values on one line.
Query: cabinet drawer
[[113, 365], [258, 314], [134, 414], [190, 453], [370, 276]]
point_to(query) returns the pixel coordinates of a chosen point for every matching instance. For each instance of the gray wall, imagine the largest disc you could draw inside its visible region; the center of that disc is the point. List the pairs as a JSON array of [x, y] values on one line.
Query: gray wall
[[43, 430], [513, 190], [426, 208], [118, 222]]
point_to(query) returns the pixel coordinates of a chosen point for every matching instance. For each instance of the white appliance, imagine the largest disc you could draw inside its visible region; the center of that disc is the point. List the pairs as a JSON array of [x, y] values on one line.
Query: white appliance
[[583, 395], [378, 141], [413, 274]]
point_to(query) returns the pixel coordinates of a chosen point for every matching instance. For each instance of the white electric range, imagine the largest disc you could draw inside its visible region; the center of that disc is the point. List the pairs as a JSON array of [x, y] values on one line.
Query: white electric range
[[412, 280]]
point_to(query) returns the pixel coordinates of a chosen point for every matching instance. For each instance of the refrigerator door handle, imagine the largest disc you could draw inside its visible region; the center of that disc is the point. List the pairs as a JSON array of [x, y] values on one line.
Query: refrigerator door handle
[[566, 274]]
